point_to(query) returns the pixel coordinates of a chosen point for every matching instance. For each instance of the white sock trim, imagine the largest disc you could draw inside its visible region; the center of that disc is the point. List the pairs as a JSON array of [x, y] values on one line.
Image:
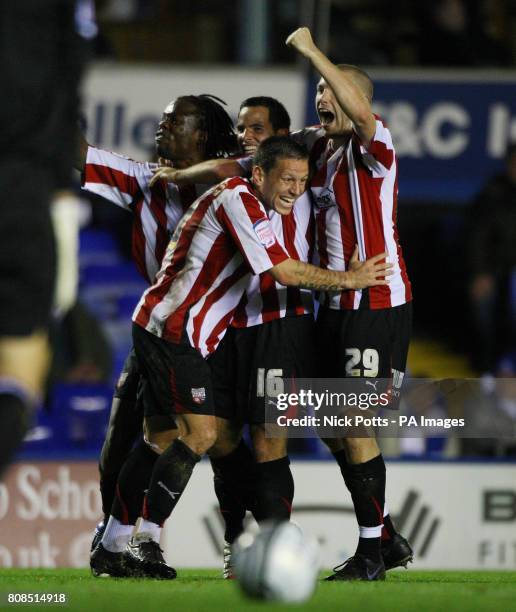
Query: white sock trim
[[370, 532], [152, 529], [117, 535]]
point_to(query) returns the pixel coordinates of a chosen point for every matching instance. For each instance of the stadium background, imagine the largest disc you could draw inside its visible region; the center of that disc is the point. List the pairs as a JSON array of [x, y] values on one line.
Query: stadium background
[[445, 83]]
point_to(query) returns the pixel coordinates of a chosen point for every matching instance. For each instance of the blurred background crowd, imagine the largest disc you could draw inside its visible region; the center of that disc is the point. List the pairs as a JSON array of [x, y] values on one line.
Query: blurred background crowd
[[366, 32]]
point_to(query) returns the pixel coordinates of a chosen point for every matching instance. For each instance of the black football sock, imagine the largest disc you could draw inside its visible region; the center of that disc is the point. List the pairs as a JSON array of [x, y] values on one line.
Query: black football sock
[[388, 529], [124, 429], [233, 477], [132, 483], [231, 508], [15, 413], [366, 482], [274, 490], [170, 476]]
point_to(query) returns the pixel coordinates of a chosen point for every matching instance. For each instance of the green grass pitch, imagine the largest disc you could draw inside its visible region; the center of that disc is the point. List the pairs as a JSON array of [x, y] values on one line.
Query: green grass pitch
[[204, 590]]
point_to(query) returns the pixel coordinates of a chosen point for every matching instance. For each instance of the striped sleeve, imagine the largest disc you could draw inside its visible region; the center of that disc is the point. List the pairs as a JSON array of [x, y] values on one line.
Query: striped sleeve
[[379, 155], [245, 219], [113, 176]]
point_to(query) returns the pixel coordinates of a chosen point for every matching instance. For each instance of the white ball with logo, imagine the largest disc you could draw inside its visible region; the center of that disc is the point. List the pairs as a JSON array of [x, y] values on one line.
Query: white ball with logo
[[277, 564]]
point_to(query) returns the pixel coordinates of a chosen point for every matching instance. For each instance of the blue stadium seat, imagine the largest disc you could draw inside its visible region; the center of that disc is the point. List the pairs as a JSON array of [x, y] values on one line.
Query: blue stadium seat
[[80, 414], [97, 247], [41, 436], [102, 288]]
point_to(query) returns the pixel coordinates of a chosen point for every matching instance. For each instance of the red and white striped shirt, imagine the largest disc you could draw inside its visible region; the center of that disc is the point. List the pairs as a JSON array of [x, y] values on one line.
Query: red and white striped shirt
[[355, 192], [224, 237], [266, 300], [157, 210]]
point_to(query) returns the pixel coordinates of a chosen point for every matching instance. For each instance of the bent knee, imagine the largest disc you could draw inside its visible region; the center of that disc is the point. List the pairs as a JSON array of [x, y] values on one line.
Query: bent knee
[[208, 439], [159, 441]]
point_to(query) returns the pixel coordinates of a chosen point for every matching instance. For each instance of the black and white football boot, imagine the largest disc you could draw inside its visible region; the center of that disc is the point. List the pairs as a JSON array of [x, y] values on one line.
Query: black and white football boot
[[106, 563], [144, 559]]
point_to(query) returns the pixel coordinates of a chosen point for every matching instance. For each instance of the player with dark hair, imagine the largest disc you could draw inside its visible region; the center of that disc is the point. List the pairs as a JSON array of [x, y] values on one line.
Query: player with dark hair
[[191, 127], [215, 122], [259, 118], [362, 334], [225, 236], [272, 334]]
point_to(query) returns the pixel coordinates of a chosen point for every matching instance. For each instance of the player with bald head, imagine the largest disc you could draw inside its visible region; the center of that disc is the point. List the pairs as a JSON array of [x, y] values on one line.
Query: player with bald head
[[360, 334]]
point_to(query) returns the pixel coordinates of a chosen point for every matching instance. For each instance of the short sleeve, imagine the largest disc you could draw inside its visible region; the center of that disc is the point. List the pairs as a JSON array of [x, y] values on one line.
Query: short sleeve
[[114, 177], [244, 217], [379, 155]]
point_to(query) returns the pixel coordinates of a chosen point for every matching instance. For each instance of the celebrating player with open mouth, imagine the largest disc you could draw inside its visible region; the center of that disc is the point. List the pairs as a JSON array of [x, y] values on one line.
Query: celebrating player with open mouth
[[355, 196]]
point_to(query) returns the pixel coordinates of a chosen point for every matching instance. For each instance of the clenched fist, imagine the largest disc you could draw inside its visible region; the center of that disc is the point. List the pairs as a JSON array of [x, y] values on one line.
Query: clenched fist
[[302, 41]]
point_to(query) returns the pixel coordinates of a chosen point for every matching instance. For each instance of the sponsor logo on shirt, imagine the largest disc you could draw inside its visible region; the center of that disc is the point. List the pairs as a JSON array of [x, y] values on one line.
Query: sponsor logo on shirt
[[324, 199], [263, 230]]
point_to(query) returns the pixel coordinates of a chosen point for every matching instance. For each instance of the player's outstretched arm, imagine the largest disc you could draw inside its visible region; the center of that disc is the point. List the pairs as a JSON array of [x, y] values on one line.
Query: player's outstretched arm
[[350, 97], [360, 275], [206, 173], [81, 151]]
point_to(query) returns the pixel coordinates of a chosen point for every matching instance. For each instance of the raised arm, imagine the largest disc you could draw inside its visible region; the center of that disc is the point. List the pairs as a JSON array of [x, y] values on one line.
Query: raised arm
[[349, 95], [360, 275], [208, 172]]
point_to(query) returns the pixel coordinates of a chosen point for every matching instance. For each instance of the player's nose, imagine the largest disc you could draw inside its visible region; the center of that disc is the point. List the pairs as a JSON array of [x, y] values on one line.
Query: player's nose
[[297, 188], [324, 95]]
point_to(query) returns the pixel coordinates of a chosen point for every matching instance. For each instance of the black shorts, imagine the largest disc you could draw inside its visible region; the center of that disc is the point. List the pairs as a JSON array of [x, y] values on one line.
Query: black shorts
[[27, 251], [129, 379], [250, 359], [366, 344], [175, 378]]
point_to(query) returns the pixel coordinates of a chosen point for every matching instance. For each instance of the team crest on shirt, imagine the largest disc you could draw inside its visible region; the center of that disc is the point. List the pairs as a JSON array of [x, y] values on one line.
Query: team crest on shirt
[[263, 230], [198, 395]]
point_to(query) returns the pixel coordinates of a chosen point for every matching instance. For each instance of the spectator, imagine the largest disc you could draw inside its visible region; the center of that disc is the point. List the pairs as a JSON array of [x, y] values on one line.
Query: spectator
[[492, 259]]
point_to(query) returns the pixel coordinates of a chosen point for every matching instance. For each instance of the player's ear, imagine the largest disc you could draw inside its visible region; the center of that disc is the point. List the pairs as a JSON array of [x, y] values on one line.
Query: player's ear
[[258, 175]]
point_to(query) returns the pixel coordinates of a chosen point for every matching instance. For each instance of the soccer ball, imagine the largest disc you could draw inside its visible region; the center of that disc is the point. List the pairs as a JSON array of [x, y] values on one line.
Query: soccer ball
[[277, 563]]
